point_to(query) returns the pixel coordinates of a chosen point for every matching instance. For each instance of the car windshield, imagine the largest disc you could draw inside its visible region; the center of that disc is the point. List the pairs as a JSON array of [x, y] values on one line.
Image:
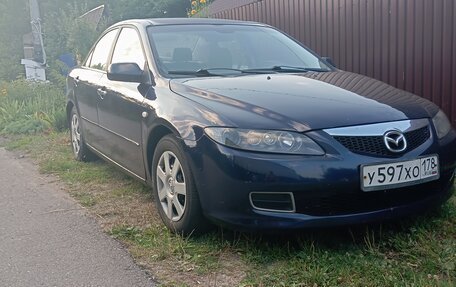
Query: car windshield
[[207, 50]]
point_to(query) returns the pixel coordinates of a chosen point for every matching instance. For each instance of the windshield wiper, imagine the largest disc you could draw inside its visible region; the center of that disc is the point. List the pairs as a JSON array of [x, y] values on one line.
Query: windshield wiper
[[198, 73], [214, 72], [289, 69], [222, 72]]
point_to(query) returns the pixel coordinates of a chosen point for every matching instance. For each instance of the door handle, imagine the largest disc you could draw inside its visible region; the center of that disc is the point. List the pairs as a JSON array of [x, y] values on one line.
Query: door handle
[[102, 93]]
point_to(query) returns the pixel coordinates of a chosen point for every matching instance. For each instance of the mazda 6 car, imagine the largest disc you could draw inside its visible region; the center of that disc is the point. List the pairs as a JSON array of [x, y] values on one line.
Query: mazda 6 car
[[237, 124]]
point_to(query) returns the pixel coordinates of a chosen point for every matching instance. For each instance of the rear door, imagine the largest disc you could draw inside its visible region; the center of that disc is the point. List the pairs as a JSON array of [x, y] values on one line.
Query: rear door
[[88, 81], [120, 111]]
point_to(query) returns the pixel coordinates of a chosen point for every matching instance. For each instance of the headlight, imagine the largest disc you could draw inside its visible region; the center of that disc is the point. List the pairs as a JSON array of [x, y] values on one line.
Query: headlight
[[442, 124], [265, 141]]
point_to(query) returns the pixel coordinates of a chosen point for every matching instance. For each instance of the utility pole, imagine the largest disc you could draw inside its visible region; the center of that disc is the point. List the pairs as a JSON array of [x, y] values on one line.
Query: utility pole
[[35, 67]]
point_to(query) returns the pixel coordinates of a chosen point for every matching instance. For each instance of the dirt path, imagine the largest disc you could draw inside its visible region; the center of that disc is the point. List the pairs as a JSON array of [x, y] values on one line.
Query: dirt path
[[47, 239]]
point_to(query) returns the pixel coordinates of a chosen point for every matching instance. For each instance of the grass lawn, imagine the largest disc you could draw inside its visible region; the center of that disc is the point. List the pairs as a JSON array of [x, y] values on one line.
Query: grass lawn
[[418, 252]]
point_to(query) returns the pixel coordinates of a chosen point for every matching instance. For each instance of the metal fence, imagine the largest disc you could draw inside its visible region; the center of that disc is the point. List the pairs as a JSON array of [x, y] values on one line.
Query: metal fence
[[410, 44]]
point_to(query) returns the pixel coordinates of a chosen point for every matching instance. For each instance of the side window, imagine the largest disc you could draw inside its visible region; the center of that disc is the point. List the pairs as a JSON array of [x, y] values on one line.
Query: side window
[[101, 52], [128, 48]]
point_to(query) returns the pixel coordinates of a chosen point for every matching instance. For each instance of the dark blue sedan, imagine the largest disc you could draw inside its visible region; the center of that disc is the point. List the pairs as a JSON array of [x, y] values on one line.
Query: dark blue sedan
[[237, 124]]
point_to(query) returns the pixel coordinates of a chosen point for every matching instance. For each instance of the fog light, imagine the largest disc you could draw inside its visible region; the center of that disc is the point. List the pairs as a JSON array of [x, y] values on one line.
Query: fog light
[[273, 201]]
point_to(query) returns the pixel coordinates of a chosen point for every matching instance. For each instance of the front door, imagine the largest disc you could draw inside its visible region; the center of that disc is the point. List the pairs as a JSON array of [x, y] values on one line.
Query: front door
[[120, 110]]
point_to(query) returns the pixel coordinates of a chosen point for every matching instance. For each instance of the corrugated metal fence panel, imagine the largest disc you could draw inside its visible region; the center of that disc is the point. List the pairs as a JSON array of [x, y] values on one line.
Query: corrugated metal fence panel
[[410, 44], [219, 6]]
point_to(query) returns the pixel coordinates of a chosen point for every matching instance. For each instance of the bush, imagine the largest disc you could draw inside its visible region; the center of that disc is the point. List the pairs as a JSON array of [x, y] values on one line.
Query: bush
[[30, 107]]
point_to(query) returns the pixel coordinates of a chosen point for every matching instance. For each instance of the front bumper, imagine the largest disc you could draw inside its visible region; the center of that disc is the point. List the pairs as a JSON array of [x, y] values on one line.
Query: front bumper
[[326, 188]]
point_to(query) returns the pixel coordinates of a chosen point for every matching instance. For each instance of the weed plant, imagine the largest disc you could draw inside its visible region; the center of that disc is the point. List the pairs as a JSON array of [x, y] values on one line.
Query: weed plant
[[28, 107]]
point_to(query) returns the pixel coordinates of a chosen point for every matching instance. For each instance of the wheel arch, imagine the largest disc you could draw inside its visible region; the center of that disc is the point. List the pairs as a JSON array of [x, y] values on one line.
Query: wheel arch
[[69, 108], [160, 130]]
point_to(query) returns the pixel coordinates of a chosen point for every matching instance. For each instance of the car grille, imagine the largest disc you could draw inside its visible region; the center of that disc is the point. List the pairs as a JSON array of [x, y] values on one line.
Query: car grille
[[358, 202], [374, 145]]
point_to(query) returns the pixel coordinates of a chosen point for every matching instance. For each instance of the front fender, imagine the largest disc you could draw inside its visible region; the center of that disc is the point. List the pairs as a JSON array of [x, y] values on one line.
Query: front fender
[[186, 118]]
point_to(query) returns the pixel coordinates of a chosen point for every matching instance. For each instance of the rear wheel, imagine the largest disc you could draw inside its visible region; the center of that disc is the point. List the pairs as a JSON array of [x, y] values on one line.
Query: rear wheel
[[80, 150], [175, 194]]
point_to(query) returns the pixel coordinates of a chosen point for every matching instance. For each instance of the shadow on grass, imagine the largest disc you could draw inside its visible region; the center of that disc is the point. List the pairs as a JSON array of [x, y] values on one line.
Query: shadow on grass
[[416, 250]]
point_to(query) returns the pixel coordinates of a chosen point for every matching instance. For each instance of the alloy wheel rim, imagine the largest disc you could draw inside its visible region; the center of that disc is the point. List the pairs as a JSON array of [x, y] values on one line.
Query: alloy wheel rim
[[171, 187], [75, 134]]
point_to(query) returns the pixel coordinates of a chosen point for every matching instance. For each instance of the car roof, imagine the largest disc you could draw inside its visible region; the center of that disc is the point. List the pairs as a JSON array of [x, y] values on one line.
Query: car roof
[[183, 21]]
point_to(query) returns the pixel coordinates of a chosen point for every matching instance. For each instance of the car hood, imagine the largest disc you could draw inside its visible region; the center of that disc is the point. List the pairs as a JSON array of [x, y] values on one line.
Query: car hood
[[302, 102]]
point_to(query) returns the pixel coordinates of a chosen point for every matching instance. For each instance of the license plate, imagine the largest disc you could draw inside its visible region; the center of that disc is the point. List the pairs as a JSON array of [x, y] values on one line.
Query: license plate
[[399, 174]]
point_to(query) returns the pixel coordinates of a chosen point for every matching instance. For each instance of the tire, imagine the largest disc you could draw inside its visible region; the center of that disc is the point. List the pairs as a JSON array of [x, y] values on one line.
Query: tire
[[80, 150], [174, 190]]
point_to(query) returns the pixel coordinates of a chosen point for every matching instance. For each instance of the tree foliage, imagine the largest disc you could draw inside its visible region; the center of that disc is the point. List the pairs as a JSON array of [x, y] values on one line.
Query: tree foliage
[[11, 31]]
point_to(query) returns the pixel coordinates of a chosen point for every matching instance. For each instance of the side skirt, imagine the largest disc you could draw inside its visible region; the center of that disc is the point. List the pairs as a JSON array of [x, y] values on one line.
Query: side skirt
[[105, 157]]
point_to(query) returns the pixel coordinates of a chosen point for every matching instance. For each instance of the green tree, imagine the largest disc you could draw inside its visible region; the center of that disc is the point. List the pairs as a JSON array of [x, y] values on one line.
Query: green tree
[[13, 24], [65, 32]]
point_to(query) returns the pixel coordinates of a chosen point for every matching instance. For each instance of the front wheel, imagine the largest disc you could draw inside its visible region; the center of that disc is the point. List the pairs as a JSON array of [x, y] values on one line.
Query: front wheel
[[175, 194]]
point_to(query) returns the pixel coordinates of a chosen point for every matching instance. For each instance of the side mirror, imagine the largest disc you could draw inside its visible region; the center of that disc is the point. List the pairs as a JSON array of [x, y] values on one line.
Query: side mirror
[[125, 72], [329, 61]]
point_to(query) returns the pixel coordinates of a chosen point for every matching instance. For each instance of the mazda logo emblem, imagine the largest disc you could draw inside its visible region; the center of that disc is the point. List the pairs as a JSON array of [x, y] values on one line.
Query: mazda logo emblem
[[395, 141]]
